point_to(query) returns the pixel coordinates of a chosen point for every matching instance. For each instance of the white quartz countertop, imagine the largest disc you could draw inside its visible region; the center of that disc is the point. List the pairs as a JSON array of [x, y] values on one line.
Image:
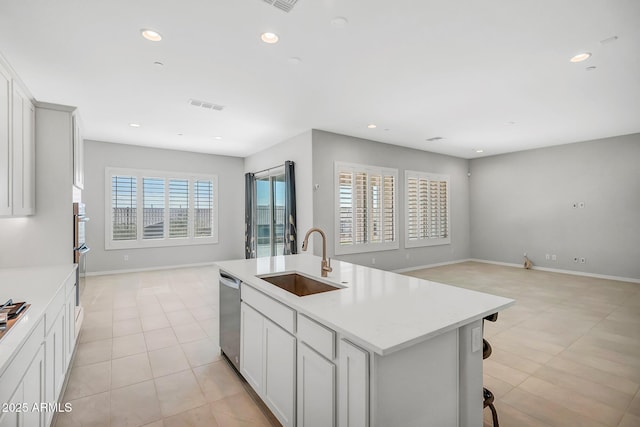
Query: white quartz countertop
[[379, 310], [35, 286]]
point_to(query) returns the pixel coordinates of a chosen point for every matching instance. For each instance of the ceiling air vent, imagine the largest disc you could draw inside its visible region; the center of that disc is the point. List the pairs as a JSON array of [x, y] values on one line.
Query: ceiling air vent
[[206, 105], [284, 5]]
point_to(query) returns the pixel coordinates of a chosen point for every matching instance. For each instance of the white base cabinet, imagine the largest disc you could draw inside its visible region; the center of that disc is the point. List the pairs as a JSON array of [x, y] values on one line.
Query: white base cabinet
[[267, 362], [33, 381], [316, 389], [280, 372], [23, 385], [354, 385]]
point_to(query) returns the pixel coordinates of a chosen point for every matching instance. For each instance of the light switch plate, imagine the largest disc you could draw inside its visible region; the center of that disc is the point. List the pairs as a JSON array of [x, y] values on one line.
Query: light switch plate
[[476, 339]]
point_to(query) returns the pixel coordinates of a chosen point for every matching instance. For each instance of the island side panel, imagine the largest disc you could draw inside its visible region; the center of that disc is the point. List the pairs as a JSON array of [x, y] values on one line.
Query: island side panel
[[471, 375], [417, 386]]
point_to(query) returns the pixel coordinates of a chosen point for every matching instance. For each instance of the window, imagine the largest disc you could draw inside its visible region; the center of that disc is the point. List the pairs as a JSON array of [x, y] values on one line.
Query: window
[[365, 208], [150, 208], [426, 209]]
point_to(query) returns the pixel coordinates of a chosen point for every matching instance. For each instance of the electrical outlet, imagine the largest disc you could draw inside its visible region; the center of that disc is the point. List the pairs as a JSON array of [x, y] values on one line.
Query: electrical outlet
[[574, 205], [547, 257], [575, 259], [583, 260], [581, 205], [554, 257]]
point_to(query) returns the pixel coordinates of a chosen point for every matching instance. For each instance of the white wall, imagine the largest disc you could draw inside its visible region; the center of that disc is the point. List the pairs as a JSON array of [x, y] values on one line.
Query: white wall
[[298, 150], [522, 202], [331, 147], [47, 237], [99, 155]]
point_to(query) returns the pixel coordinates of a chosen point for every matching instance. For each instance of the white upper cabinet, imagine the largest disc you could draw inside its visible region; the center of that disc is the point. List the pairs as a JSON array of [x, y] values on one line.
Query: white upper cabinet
[[17, 149], [78, 152], [5, 143]]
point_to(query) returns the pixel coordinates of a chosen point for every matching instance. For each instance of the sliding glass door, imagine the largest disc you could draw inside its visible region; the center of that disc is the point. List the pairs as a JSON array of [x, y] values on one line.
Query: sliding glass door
[[269, 212]]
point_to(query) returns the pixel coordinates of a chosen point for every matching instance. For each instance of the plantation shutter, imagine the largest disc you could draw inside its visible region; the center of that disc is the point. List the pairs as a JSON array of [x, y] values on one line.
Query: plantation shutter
[[123, 202], [427, 209], [178, 208], [203, 208], [345, 209], [152, 208]]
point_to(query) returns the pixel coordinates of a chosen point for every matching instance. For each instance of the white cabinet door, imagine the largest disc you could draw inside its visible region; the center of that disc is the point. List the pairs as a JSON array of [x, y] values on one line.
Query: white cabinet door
[[280, 368], [34, 393], [5, 143], [251, 350], [55, 357], [23, 152], [70, 327], [316, 389], [12, 417], [353, 386]]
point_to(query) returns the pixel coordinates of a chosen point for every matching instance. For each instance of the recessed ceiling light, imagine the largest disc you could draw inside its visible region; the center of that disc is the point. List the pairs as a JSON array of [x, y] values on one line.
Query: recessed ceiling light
[[480, 150], [180, 134], [151, 35], [435, 138], [269, 38], [581, 57], [339, 22], [158, 64], [593, 67], [134, 125], [372, 126], [217, 137]]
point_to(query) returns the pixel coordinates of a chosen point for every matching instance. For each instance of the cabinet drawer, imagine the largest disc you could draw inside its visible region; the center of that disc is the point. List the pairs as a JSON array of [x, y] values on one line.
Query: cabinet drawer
[[54, 308], [279, 313], [317, 336], [12, 376]]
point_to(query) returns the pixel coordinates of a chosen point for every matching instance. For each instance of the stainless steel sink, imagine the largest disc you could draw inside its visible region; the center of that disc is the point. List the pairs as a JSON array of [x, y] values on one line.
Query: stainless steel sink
[[299, 285]]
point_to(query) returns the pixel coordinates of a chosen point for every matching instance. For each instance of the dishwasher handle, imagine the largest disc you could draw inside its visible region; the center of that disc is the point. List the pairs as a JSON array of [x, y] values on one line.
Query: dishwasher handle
[[229, 281]]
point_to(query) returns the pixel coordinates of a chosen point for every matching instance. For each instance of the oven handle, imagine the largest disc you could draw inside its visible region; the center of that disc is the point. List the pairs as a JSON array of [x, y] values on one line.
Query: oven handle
[[83, 249]]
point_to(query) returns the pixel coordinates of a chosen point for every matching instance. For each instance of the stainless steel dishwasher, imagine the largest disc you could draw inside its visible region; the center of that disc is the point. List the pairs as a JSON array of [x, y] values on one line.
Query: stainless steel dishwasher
[[230, 318]]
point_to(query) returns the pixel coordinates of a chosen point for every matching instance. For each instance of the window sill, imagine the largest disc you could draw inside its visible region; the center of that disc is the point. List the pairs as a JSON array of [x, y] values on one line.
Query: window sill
[[426, 242], [159, 243], [365, 247]]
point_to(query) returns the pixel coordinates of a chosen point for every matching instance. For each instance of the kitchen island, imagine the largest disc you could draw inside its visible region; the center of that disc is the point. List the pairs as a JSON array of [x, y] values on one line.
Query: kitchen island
[[380, 350]]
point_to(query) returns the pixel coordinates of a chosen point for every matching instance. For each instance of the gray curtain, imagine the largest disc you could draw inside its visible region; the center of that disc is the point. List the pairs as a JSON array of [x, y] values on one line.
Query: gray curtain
[[290, 231], [249, 208]]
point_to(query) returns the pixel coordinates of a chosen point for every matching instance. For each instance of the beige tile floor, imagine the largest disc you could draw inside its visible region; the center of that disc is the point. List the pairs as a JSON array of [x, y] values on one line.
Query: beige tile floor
[[148, 355], [567, 354]]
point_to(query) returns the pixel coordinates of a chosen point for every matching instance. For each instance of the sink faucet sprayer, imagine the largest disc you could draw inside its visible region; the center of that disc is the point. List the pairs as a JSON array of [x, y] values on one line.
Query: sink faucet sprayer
[[326, 262]]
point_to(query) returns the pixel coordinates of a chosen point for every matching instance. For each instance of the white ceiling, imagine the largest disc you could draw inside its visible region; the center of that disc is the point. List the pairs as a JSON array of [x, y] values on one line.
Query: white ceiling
[[492, 75]]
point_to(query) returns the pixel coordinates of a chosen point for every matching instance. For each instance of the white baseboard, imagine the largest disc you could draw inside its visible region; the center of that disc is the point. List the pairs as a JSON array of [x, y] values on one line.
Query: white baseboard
[[139, 270], [558, 270], [439, 264]]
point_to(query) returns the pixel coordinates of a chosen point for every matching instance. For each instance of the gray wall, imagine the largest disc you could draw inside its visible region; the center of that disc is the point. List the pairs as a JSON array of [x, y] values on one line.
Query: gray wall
[[99, 155], [523, 202], [298, 150], [330, 147], [47, 237]]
